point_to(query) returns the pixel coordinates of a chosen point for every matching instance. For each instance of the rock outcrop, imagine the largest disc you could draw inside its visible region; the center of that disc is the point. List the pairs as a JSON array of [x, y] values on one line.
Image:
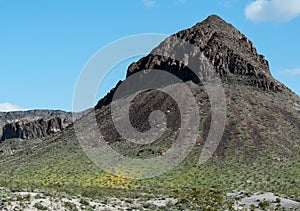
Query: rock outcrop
[[232, 54], [31, 115], [28, 129]]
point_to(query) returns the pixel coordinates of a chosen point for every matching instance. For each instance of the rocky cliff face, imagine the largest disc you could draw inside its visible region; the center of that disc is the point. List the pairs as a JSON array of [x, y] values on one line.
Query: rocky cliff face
[[232, 54], [230, 51], [28, 129], [11, 118]]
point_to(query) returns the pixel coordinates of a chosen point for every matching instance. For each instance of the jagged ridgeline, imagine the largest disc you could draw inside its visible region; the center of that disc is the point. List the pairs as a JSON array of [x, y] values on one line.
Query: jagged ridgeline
[[259, 150], [231, 53]]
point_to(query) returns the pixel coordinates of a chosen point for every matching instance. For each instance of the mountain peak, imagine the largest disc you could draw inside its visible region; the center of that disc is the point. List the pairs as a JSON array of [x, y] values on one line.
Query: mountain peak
[[216, 23], [231, 52], [214, 18]]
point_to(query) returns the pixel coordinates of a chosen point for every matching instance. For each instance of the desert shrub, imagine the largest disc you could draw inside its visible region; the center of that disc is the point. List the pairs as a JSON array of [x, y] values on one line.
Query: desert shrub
[[84, 202], [39, 206], [264, 204], [70, 206]]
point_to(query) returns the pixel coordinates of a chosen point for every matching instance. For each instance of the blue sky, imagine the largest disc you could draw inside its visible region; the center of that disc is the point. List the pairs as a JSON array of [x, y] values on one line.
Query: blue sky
[[45, 44]]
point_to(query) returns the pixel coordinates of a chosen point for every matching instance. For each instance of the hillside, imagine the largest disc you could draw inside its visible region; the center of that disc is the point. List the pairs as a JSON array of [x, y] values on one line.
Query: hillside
[[259, 150]]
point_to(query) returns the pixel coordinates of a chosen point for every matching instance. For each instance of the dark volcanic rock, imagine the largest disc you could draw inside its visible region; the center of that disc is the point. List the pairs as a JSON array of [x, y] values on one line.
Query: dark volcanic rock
[[26, 129], [31, 115], [108, 98], [231, 53]]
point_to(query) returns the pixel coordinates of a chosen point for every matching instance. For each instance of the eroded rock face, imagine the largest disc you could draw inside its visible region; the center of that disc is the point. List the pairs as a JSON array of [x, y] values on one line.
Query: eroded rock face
[[28, 129], [31, 115], [226, 48], [232, 54]]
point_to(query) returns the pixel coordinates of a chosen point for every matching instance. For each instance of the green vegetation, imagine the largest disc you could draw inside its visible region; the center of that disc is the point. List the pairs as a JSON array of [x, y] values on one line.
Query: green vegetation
[[40, 206], [254, 155]]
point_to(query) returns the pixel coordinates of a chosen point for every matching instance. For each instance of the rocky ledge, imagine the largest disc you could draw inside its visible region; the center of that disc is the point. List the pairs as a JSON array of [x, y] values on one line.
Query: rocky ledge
[[28, 129]]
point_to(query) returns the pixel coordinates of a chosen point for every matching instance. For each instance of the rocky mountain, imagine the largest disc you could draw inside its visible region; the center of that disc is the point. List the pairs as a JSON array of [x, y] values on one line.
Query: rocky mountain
[[30, 124], [29, 129], [230, 51], [263, 122], [256, 102], [232, 54], [258, 151]]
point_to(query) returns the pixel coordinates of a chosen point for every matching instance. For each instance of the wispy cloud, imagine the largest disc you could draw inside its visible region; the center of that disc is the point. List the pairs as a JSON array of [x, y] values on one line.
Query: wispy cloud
[[5, 107], [272, 10], [226, 3], [152, 3], [149, 3], [295, 71]]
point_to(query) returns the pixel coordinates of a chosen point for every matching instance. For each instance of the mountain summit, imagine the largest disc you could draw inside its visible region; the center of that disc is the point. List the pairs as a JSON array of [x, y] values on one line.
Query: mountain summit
[[233, 55], [230, 51]]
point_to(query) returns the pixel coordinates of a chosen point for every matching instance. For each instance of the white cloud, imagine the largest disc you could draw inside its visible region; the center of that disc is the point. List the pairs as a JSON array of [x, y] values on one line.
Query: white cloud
[[227, 3], [272, 10], [152, 3], [5, 107], [149, 3], [295, 71]]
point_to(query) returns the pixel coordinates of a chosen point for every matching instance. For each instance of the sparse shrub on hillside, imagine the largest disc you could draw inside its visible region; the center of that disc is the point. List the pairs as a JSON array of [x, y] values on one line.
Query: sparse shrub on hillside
[[264, 204], [84, 202], [39, 206], [70, 206]]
